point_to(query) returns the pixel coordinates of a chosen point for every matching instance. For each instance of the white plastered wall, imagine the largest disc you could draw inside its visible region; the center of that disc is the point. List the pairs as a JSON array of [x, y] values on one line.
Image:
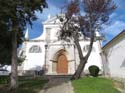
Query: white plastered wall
[[116, 59]]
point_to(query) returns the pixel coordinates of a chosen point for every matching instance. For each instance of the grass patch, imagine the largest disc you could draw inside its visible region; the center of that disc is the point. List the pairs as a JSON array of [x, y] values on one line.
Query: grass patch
[[4, 79], [94, 85], [27, 86]]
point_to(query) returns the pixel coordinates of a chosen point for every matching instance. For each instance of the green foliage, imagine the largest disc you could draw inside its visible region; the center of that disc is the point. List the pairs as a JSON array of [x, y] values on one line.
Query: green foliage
[[94, 70], [14, 12], [5, 48], [94, 85], [14, 16], [4, 79], [27, 86]]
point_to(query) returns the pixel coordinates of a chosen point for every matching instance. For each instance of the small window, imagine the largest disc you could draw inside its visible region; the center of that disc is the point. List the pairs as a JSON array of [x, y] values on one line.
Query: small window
[[123, 64], [35, 49], [86, 48], [48, 34], [22, 52], [57, 33]]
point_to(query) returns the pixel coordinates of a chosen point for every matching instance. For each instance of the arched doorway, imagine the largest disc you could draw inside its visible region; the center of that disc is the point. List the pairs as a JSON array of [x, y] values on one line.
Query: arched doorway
[[62, 64]]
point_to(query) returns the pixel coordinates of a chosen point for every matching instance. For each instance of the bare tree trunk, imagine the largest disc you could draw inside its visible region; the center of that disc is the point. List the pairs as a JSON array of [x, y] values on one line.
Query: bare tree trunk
[[83, 60], [13, 82], [81, 57], [79, 70]]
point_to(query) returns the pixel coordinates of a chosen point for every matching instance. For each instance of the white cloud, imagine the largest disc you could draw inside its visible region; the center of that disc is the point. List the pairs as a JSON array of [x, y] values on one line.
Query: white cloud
[[113, 15], [52, 9], [114, 28]]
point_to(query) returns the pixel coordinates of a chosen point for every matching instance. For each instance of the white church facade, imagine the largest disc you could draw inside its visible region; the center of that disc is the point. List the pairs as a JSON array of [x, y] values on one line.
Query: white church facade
[[56, 56]]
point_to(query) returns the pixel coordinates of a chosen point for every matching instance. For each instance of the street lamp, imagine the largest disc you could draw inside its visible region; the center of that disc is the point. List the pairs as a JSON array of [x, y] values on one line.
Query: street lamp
[[46, 46]]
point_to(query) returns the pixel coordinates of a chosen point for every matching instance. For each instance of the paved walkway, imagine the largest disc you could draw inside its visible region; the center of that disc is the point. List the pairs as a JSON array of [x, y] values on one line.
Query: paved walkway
[[62, 88], [122, 81]]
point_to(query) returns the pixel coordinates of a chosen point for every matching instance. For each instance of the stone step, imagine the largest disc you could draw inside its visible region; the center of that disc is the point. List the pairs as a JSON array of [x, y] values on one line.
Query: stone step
[[55, 80], [59, 76]]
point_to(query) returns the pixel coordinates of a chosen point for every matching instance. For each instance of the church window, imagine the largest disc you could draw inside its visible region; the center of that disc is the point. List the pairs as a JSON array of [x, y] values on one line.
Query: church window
[[35, 49], [48, 34], [123, 64], [86, 48], [57, 33], [21, 53]]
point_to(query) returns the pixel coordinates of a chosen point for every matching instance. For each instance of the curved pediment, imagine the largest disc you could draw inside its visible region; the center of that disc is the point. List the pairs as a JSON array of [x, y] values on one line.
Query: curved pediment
[[53, 20]]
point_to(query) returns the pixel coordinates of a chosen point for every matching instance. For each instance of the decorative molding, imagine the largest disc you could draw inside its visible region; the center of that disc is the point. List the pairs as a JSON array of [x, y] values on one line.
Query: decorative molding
[[67, 60], [71, 60], [53, 61], [35, 41], [61, 44]]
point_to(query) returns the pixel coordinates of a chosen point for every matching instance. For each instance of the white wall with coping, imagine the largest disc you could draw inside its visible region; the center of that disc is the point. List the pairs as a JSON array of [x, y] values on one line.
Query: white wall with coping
[[116, 59]]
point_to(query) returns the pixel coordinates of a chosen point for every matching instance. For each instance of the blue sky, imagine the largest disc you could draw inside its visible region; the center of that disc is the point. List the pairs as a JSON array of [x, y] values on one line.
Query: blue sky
[[117, 18]]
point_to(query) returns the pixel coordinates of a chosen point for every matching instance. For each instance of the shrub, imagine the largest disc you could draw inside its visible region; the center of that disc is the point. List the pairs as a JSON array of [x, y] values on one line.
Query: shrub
[[94, 70], [4, 79]]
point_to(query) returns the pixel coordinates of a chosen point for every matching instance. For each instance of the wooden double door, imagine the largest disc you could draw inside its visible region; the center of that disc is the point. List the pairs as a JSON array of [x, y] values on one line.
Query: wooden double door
[[62, 64]]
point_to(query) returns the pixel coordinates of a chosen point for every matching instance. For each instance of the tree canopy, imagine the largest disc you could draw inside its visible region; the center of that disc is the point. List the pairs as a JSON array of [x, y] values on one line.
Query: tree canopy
[[14, 16], [96, 13], [22, 11]]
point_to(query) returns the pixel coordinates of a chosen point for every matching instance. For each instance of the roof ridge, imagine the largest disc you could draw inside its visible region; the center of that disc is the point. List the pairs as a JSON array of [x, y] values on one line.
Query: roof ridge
[[122, 32]]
